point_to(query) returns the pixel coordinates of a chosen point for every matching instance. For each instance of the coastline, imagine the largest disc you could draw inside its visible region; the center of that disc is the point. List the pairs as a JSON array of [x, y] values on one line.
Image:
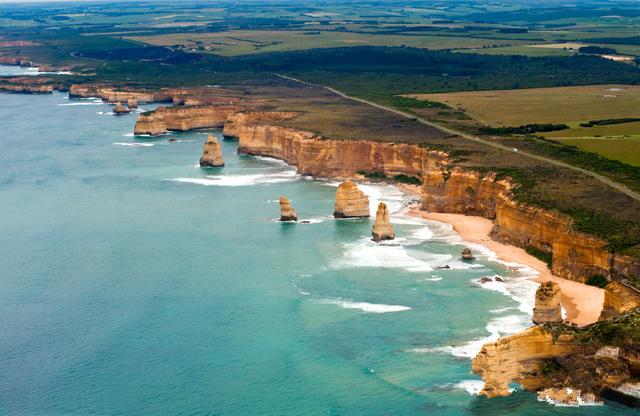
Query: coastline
[[582, 303]]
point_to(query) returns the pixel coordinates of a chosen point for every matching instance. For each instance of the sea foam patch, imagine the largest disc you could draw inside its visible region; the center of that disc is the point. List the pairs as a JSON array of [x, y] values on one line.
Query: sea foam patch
[[134, 144], [363, 306], [240, 180]]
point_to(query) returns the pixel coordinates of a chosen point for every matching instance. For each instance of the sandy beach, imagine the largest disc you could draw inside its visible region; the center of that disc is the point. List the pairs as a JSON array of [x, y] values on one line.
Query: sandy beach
[[582, 303]]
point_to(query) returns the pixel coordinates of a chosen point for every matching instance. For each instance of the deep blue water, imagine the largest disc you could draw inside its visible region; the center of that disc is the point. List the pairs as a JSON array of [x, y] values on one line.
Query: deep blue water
[[135, 282]]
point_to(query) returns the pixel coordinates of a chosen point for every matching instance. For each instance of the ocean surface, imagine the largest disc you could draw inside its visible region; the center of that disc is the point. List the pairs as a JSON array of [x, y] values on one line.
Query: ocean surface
[[135, 282]]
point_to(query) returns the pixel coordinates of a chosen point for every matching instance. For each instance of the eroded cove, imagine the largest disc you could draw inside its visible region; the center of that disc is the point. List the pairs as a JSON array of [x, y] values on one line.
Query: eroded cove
[[137, 282]]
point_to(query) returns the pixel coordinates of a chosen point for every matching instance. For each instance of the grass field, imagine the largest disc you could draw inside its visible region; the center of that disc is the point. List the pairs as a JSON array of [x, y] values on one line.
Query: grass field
[[607, 131], [251, 41], [626, 150], [568, 105]]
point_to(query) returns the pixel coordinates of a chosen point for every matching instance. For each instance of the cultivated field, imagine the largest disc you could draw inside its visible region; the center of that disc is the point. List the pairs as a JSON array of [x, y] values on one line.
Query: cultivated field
[[626, 150], [569, 105]]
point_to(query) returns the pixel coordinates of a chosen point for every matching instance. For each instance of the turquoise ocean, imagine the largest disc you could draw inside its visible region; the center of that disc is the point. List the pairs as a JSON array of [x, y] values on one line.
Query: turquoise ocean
[[136, 283]]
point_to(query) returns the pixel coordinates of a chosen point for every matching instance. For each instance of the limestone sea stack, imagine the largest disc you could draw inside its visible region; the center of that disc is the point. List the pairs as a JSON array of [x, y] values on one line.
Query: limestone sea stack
[[151, 123], [119, 109], [132, 103], [547, 307], [287, 213], [382, 229], [212, 155], [351, 202]]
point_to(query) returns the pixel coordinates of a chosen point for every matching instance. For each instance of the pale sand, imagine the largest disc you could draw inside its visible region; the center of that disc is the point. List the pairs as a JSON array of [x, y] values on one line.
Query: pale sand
[[582, 303]]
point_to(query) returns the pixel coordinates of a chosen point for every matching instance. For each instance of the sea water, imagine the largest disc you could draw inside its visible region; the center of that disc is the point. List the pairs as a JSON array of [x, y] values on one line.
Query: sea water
[[135, 282]]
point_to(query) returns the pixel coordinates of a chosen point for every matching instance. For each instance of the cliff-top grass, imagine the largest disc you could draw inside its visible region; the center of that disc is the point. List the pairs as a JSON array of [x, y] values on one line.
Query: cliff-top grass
[[544, 105]]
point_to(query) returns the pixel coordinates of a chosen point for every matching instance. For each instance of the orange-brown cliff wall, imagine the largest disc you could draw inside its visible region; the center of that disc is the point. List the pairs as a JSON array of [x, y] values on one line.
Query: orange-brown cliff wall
[[235, 121], [576, 256], [112, 95], [313, 155], [183, 118]]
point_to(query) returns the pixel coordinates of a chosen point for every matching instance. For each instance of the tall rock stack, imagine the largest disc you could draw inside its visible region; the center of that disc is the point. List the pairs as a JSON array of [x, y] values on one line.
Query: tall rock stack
[[547, 307], [351, 202], [382, 229], [151, 123], [132, 103], [212, 155], [287, 213], [119, 109]]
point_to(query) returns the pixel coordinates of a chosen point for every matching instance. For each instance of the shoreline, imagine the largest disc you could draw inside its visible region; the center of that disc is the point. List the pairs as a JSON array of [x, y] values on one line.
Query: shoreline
[[581, 302]]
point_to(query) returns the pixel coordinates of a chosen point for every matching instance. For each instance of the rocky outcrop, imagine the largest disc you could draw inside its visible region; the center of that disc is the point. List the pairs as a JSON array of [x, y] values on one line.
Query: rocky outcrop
[[119, 109], [236, 121], [132, 103], [150, 123], [618, 299], [287, 213], [183, 118], [548, 308], [26, 88], [351, 202], [382, 229], [212, 154], [519, 358], [112, 94]]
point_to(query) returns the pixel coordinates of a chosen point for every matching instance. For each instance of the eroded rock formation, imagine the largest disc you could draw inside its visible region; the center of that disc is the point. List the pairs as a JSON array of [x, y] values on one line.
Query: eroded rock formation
[[548, 308], [212, 154], [183, 118], [119, 109], [287, 213], [351, 202], [132, 103], [151, 123], [618, 299], [382, 229]]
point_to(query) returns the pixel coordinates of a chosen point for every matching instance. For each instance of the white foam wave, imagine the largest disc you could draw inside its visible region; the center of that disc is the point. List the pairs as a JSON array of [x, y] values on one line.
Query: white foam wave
[[128, 135], [580, 401], [366, 253], [134, 144], [240, 180], [311, 220], [364, 306], [83, 103], [473, 387]]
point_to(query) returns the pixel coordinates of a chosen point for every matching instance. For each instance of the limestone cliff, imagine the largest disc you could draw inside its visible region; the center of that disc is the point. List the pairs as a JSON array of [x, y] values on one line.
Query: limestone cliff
[[22, 88], [236, 121], [287, 213], [619, 299], [351, 202], [382, 229], [112, 94], [183, 118], [548, 308], [212, 154]]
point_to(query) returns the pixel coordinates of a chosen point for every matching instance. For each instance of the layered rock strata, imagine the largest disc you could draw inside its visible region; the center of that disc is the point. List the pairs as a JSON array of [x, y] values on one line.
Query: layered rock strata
[[618, 299], [548, 308], [236, 121], [382, 229], [26, 88], [212, 154], [112, 94], [287, 213], [183, 118], [351, 202]]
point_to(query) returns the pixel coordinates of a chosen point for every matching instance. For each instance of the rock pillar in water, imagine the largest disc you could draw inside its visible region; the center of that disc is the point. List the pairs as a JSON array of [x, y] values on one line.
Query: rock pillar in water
[[132, 103], [120, 109], [151, 123], [286, 212], [351, 202], [212, 155], [382, 229], [547, 307]]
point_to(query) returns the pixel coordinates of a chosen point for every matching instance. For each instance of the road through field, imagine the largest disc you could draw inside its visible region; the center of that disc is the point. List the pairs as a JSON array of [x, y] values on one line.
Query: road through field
[[603, 179]]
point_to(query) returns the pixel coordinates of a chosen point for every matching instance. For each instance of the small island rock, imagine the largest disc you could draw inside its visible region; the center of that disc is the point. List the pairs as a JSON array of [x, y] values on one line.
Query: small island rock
[[212, 155], [351, 202], [382, 229], [547, 307], [287, 213], [119, 109]]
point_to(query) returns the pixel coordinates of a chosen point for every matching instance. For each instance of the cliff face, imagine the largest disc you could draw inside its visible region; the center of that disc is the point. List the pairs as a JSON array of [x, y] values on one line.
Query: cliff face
[[26, 88], [183, 118], [236, 121], [313, 155], [619, 299], [112, 95], [519, 358]]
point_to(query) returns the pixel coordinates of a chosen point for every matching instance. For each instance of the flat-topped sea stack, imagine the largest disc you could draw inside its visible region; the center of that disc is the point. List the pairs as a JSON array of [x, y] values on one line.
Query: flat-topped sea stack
[[382, 229], [151, 123], [287, 213], [119, 109], [548, 308], [212, 154], [351, 202]]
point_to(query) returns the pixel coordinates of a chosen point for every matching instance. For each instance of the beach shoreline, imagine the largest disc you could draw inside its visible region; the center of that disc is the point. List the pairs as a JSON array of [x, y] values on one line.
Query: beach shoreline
[[582, 303]]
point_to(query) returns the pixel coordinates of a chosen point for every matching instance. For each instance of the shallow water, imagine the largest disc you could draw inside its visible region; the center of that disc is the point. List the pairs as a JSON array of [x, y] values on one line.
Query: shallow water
[[135, 282]]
